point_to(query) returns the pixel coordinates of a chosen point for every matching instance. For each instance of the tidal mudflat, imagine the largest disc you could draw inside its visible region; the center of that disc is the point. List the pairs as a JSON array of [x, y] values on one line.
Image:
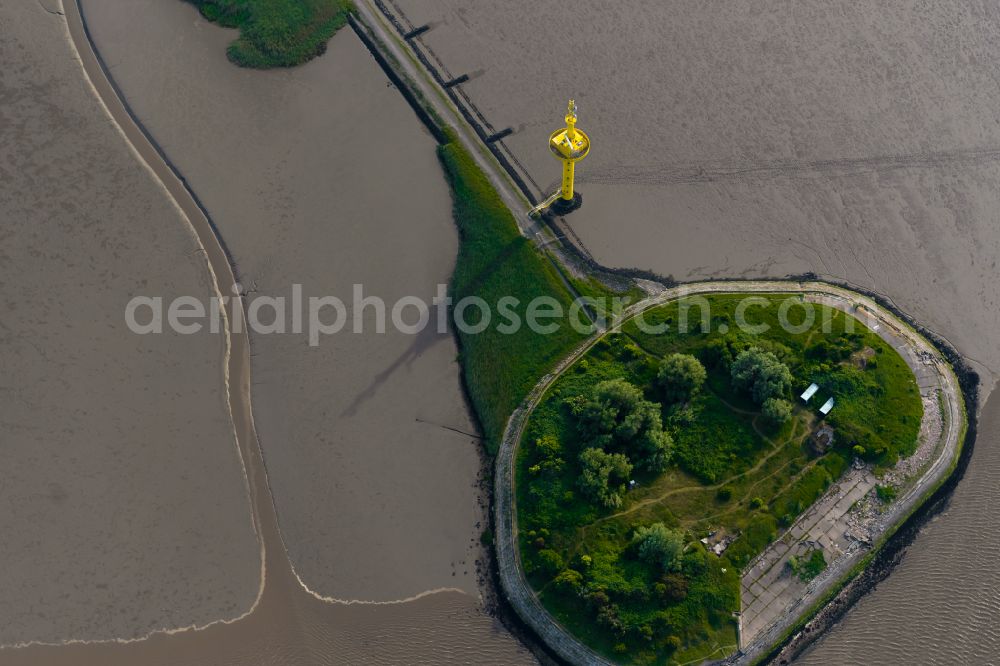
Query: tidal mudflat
[[743, 139], [322, 177], [292, 628], [124, 502]]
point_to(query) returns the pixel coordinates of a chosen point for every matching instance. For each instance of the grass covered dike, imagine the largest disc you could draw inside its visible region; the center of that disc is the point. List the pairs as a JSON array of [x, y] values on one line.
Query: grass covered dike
[[496, 261], [277, 33], [733, 471]]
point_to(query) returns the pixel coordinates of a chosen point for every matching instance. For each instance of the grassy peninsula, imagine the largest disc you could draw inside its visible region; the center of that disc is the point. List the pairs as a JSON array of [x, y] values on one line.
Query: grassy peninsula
[[723, 453], [277, 33], [495, 261]]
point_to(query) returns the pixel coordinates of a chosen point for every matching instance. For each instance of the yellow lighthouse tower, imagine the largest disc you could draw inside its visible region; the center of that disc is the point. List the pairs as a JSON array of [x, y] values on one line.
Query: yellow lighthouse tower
[[569, 145]]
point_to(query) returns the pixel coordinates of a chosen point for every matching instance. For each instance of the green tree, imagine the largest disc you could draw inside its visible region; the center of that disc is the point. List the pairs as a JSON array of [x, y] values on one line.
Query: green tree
[[720, 352], [548, 447], [680, 377], [777, 410], [548, 456], [568, 580], [762, 374], [675, 587], [549, 562], [603, 476], [618, 419], [660, 545]]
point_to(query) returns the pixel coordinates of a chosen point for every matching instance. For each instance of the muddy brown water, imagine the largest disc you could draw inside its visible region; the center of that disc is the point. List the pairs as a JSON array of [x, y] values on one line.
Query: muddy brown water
[[409, 575], [123, 504], [860, 141], [321, 176]]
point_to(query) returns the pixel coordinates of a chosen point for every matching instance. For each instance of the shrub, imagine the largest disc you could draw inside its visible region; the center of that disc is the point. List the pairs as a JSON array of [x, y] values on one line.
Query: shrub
[[660, 545], [680, 377], [675, 587], [695, 561], [719, 352], [777, 410], [548, 447], [617, 418], [603, 476], [886, 493], [549, 562], [835, 464], [808, 567], [548, 452], [681, 416], [568, 581], [761, 373]]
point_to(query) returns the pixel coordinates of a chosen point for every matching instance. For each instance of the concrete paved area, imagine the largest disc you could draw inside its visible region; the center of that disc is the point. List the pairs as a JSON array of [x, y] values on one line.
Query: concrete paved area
[[769, 587]]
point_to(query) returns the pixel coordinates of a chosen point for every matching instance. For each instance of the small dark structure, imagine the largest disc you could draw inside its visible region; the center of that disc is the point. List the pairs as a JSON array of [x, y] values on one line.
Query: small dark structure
[[821, 440], [456, 81], [718, 540], [416, 32], [499, 135]]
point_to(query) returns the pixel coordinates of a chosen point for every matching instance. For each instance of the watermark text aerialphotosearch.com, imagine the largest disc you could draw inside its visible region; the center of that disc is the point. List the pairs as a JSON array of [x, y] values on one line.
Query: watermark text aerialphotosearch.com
[[318, 316]]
